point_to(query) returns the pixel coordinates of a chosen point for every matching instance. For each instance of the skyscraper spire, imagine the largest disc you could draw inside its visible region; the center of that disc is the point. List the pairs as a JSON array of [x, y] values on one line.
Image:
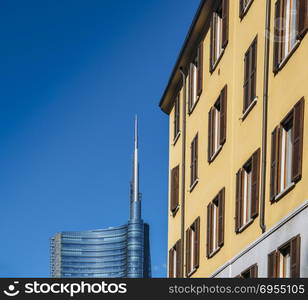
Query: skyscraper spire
[[135, 205]]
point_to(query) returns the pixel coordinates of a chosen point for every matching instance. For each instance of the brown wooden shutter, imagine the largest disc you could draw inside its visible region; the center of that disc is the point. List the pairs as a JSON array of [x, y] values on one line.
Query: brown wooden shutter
[[221, 217], [295, 256], [277, 36], [272, 265], [200, 69], [298, 128], [196, 158], [209, 230], [242, 8], [171, 266], [253, 70], [254, 271], [246, 85], [178, 259], [190, 88], [239, 200], [187, 252], [174, 188], [176, 116], [225, 22], [213, 41], [223, 115], [192, 159], [255, 182], [274, 163], [210, 135], [302, 20], [197, 243]]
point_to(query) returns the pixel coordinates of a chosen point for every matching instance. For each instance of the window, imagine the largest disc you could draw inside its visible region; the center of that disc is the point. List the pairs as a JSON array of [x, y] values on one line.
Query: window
[[217, 125], [174, 205], [250, 75], [195, 79], [176, 122], [286, 154], [215, 224], [194, 162], [247, 192], [291, 24], [219, 32], [251, 272], [244, 6], [192, 247], [285, 261], [175, 263]]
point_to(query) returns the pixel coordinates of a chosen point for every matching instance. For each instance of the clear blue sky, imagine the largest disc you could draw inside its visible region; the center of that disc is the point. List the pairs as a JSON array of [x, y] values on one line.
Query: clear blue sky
[[73, 74]]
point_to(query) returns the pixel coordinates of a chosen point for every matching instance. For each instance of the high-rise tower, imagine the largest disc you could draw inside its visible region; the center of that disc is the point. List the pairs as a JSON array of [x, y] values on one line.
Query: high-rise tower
[[121, 251]]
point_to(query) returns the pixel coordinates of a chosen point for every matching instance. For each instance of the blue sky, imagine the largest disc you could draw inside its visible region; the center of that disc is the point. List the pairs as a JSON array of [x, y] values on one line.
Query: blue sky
[[73, 75]]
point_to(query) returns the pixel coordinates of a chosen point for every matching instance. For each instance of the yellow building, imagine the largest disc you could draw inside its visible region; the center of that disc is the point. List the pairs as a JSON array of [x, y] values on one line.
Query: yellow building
[[238, 153]]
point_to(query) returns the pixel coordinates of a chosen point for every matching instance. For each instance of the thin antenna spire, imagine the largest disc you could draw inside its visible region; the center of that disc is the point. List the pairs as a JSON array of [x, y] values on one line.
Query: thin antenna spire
[[135, 209]]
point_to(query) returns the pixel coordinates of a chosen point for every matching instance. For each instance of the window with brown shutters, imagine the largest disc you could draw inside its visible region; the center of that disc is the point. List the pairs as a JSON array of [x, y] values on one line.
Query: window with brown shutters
[[175, 261], [217, 125], [247, 192], [194, 162], [176, 122], [195, 79], [193, 247], [175, 179], [290, 26], [284, 262], [244, 7], [287, 152], [215, 224], [250, 75], [219, 32], [251, 272]]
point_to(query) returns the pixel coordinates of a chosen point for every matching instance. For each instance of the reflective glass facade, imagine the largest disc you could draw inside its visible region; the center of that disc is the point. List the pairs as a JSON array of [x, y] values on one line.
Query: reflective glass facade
[[109, 253]]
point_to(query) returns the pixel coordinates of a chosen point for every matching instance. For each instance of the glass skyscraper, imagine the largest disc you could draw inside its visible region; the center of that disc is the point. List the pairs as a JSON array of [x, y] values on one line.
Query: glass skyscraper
[[122, 251]]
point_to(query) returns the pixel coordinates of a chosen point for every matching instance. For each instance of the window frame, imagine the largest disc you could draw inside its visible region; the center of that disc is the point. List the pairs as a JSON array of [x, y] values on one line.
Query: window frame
[[195, 82], [175, 190], [274, 258], [301, 24], [250, 78], [254, 161], [215, 225], [223, 7], [177, 118], [175, 260], [192, 247], [217, 132], [252, 270], [296, 116], [194, 163]]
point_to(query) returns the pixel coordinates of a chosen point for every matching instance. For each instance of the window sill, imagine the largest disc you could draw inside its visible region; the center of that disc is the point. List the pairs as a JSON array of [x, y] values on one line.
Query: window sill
[[192, 272], [244, 12], [286, 59], [245, 226], [176, 138], [193, 106], [214, 252], [284, 192], [193, 185], [215, 154], [173, 212], [213, 68], [249, 108]]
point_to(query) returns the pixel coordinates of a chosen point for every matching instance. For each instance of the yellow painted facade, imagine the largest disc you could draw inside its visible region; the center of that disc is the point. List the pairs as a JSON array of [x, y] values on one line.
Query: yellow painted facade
[[243, 137]]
